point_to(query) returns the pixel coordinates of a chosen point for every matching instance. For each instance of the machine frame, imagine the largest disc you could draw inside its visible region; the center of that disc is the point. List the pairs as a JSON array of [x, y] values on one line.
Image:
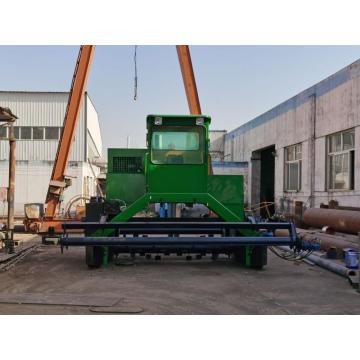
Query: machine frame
[[134, 181]]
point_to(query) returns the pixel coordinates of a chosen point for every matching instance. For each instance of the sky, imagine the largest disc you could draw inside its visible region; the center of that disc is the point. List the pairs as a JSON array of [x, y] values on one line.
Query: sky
[[235, 83]]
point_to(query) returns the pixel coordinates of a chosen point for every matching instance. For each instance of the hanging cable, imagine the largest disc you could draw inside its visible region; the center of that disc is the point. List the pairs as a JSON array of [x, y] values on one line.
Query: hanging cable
[[290, 255], [135, 77]]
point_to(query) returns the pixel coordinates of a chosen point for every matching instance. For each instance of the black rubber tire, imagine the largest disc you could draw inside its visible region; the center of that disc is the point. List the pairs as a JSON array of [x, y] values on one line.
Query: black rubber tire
[[239, 256], [259, 257], [93, 256]]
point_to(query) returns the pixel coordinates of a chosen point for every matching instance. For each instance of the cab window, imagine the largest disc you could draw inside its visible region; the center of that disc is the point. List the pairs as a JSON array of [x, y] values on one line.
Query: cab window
[[177, 145]]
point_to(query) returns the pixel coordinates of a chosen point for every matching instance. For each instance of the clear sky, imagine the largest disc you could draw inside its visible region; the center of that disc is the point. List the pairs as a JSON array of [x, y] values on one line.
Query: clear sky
[[235, 83]]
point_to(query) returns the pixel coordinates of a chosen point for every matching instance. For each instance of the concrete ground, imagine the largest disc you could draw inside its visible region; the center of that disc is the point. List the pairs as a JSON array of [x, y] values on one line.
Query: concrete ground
[[172, 286]]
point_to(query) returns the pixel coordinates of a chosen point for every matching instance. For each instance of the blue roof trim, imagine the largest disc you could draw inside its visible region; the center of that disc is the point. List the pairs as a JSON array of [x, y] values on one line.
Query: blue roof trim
[[319, 89], [230, 164]]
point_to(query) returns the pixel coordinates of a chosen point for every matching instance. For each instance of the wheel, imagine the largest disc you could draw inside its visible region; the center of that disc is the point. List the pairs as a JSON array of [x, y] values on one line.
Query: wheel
[[239, 256], [93, 256], [258, 257]]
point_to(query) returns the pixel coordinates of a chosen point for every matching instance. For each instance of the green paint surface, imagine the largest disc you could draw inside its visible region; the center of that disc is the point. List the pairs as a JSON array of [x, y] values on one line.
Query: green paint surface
[[173, 170]]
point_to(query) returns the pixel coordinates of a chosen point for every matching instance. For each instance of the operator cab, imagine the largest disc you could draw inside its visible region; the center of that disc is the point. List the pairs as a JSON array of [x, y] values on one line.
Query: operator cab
[[177, 158], [175, 141]]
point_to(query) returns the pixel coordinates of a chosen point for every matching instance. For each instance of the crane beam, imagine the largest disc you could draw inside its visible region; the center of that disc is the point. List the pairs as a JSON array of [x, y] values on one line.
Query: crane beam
[[189, 79], [188, 76], [76, 96]]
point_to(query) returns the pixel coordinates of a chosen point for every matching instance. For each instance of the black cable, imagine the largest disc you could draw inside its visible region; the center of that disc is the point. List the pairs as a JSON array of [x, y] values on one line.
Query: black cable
[[292, 256], [135, 77]]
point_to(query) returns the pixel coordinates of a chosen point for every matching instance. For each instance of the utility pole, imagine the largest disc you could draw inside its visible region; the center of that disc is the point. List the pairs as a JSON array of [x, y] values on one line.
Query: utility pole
[[7, 116], [11, 190]]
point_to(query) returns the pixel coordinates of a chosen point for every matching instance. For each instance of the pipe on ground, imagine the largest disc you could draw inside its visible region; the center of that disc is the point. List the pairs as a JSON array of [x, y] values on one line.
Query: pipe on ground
[[340, 220], [327, 264]]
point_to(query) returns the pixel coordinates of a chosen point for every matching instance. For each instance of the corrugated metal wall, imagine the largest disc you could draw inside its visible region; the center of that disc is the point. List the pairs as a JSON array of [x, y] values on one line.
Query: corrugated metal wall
[[41, 109], [35, 158], [32, 180]]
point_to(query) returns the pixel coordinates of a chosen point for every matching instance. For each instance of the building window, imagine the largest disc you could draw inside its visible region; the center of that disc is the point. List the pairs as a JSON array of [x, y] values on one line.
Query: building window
[[3, 132], [38, 133], [17, 132], [52, 133], [341, 160], [25, 133], [32, 133], [293, 168]]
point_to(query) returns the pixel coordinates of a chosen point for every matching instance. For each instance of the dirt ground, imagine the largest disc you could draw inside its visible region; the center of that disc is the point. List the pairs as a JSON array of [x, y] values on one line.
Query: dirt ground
[[170, 286]]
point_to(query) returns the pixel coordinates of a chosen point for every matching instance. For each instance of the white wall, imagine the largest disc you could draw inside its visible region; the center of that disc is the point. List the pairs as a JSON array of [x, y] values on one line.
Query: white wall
[[32, 181], [41, 109], [93, 125], [337, 107], [35, 158], [217, 144]]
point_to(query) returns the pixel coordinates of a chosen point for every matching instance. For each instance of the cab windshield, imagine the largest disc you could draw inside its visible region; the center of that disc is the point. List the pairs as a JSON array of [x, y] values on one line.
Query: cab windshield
[[177, 145]]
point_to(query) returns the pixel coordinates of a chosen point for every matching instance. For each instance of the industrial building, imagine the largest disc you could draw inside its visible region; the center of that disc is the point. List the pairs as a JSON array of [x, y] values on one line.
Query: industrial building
[[217, 143], [306, 148], [219, 166], [191, 195], [37, 130]]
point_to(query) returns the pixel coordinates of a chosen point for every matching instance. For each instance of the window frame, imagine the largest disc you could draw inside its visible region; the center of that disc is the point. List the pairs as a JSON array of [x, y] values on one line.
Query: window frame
[[21, 130], [330, 183], [52, 127], [6, 137], [17, 128], [287, 163], [43, 133], [202, 134]]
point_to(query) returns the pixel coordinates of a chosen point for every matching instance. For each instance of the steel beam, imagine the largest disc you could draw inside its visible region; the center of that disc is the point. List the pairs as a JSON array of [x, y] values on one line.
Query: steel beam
[[174, 242], [164, 225], [189, 79], [76, 97]]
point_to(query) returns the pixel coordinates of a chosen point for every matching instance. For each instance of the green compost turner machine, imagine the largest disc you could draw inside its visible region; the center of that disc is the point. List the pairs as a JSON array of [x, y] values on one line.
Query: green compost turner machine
[[173, 169]]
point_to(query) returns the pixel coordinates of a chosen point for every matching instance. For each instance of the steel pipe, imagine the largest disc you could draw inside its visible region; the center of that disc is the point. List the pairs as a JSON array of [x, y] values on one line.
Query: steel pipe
[[326, 264], [329, 265], [175, 224], [340, 220], [163, 242], [327, 242]]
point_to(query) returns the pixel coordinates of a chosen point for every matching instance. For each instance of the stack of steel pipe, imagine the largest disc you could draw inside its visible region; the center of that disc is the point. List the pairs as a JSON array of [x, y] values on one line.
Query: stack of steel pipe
[[326, 241], [339, 220]]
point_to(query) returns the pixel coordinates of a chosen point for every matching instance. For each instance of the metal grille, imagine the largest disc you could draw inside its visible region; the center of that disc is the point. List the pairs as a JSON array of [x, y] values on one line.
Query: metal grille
[[127, 165]]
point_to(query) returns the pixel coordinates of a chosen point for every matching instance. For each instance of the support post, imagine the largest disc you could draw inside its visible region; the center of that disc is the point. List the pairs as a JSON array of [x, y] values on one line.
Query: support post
[[312, 149], [11, 191]]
